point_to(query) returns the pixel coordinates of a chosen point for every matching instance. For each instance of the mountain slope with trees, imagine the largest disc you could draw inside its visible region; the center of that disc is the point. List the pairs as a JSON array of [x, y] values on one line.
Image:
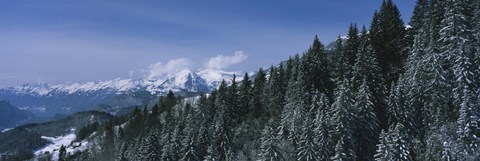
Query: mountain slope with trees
[[388, 93]]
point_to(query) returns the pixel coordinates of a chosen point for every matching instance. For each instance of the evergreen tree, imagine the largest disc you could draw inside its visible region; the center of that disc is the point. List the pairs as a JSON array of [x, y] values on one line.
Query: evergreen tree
[[270, 150], [394, 145], [108, 143], [455, 41], [468, 129], [155, 110], [315, 69], [308, 148], [476, 34], [62, 155], [168, 101], [366, 66], [205, 119], [151, 147], [338, 60], [398, 111], [352, 45], [387, 33], [417, 21], [223, 136], [344, 113], [323, 127], [245, 95], [294, 111], [383, 148], [189, 145], [399, 141], [342, 152], [367, 127], [232, 102], [275, 91], [145, 112], [256, 104]]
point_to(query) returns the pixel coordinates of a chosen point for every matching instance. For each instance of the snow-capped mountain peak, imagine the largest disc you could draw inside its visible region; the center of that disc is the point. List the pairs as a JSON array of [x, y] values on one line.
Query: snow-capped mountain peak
[[186, 80]]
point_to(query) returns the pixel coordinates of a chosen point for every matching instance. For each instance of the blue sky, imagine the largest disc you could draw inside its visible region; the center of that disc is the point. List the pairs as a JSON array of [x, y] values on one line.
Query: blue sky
[[58, 41]]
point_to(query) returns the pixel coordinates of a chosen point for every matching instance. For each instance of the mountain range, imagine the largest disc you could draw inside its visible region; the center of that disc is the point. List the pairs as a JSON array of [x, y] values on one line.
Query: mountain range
[[46, 100]]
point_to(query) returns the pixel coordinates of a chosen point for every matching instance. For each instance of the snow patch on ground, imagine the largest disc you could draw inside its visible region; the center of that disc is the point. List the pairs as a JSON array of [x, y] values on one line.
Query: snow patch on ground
[[56, 142], [5, 130]]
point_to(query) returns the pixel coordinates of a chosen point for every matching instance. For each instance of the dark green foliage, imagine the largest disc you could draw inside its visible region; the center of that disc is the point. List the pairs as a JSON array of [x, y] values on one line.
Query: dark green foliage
[[62, 156], [257, 107], [367, 128], [315, 69], [275, 91], [86, 131], [417, 22], [245, 96], [387, 33]]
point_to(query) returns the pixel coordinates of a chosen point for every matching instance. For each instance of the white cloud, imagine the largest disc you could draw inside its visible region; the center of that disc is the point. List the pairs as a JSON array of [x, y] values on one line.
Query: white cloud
[[161, 70], [212, 69], [222, 61]]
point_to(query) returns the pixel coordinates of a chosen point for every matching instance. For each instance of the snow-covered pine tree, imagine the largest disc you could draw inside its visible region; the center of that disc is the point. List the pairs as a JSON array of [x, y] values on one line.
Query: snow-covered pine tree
[[367, 66], [308, 148], [344, 116], [204, 128], [293, 113], [468, 129], [367, 129], [170, 144], [437, 88], [417, 21], [434, 18], [342, 152], [394, 145], [323, 128], [476, 34], [401, 148], [223, 136], [151, 148], [383, 149], [270, 150], [398, 111], [190, 151], [124, 154], [456, 45], [447, 152]]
